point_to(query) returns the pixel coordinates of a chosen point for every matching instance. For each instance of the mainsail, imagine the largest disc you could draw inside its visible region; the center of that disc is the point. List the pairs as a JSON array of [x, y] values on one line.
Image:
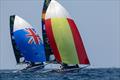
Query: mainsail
[[27, 43], [17, 52], [63, 36], [48, 50]]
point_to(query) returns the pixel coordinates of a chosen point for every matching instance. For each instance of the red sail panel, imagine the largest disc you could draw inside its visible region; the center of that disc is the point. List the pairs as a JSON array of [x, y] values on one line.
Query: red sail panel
[[52, 42], [83, 59]]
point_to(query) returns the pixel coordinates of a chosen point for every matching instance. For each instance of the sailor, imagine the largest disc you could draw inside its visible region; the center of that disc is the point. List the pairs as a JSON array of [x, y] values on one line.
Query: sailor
[[52, 57], [69, 66]]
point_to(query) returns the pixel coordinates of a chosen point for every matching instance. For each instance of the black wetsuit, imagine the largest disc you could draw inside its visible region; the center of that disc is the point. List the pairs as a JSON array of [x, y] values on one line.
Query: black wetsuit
[[65, 66]]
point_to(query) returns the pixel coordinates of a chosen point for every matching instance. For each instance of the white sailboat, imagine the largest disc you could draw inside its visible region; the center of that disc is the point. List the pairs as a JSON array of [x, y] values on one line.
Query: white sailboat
[[27, 44], [63, 47], [63, 36]]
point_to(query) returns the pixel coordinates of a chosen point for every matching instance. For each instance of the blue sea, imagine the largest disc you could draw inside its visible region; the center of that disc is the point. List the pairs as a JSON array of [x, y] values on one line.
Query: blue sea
[[83, 74]]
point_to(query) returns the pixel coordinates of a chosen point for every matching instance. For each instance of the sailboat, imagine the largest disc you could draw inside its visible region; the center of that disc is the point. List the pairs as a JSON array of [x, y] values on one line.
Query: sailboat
[[27, 44], [63, 36], [62, 47]]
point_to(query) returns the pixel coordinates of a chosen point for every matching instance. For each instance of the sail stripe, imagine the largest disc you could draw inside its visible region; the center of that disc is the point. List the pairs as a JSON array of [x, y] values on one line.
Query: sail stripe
[[53, 45], [64, 40], [83, 59]]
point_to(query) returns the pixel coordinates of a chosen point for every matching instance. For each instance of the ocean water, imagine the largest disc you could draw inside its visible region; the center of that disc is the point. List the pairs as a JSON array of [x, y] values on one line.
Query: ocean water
[[83, 74]]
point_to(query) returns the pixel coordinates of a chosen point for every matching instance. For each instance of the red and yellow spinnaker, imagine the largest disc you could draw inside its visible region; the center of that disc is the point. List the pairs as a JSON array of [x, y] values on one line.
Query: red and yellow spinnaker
[[63, 35]]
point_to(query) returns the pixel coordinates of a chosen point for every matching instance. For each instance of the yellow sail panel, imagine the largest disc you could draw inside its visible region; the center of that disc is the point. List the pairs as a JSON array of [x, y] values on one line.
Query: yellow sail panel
[[64, 40]]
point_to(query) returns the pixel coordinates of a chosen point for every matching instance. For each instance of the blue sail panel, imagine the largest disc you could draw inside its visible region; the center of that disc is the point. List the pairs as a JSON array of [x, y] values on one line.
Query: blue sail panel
[[30, 45]]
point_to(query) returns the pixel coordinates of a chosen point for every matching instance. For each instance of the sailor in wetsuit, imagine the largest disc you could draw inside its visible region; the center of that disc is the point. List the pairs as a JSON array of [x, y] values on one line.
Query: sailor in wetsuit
[[66, 66]]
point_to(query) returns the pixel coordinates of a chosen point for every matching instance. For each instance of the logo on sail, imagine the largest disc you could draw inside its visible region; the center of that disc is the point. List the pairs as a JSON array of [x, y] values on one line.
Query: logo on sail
[[33, 37]]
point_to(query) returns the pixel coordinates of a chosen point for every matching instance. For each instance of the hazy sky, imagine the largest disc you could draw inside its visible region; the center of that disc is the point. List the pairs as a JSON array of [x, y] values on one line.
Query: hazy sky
[[98, 22]]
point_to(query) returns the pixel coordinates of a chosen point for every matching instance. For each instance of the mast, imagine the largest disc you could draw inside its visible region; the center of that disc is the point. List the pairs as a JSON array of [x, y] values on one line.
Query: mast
[[48, 50]]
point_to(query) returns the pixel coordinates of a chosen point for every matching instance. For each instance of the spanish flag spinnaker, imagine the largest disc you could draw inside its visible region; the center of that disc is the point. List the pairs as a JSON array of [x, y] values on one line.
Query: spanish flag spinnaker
[[63, 35]]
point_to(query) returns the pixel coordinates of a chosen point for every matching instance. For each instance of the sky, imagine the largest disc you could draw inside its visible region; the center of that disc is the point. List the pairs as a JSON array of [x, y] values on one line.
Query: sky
[[98, 22]]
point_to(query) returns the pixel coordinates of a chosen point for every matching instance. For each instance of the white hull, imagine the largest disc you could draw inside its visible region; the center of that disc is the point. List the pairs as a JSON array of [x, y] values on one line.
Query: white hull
[[21, 66], [52, 66]]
